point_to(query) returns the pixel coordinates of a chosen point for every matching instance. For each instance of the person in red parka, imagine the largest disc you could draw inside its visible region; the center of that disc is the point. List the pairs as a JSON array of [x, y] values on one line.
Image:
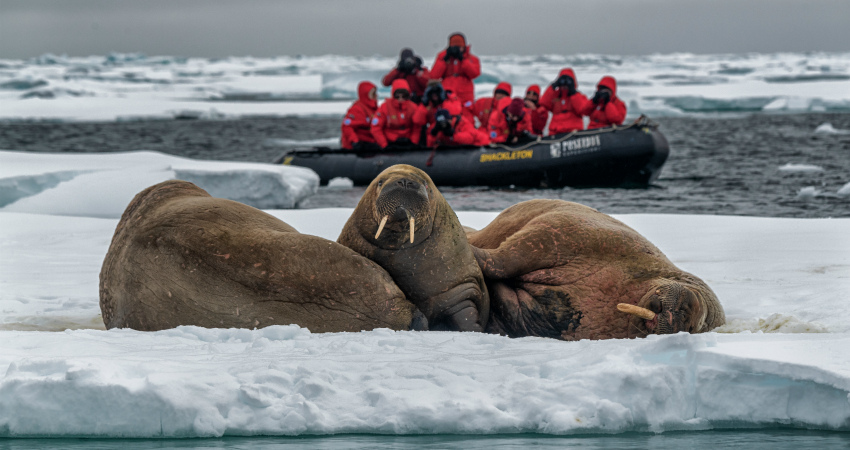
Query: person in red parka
[[457, 67], [565, 103], [393, 123], [539, 115], [484, 106], [410, 69], [434, 99], [451, 128], [510, 123], [357, 124], [605, 109]]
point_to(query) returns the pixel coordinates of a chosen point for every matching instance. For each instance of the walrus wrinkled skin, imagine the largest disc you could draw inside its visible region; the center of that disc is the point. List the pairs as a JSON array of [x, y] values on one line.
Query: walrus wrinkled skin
[[182, 257], [558, 269], [423, 247]]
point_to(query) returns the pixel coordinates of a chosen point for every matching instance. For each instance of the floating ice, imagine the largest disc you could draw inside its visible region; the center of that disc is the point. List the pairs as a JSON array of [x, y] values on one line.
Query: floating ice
[[808, 193], [790, 167], [101, 185], [775, 323], [827, 128], [844, 191]]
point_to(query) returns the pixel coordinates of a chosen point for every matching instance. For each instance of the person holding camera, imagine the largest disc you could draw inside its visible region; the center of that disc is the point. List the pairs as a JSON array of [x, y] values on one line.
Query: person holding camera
[[484, 106], [565, 103], [433, 99], [450, 128], [457, 67], [357, 124], [539, 115], [393, 123], [410, 69], [605, 108], [510, 123]]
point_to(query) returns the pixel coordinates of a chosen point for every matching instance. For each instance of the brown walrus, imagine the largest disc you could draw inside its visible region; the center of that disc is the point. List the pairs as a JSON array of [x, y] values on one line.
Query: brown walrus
[[181, 257], [403, 223], [560, 269]]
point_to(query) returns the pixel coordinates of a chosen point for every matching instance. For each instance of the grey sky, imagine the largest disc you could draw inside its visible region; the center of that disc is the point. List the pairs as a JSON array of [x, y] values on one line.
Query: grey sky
[[214, 28]]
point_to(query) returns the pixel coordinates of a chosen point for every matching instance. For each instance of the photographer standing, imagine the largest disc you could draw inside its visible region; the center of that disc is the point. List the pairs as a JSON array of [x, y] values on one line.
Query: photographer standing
[[410, 69], [457, 67]]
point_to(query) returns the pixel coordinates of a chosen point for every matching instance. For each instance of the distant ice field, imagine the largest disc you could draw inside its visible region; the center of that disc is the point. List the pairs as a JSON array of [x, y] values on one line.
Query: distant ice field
[[135, 86]]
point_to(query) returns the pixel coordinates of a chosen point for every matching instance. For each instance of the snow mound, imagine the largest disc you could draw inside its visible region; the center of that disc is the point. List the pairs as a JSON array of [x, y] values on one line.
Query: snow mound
[[340, 183], [283, 380], [775, 323], [101, 185], [827, 128], [790, 168]]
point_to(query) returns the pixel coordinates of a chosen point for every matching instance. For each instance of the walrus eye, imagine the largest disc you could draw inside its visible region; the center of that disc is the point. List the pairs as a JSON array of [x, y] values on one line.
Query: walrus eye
[[380, 183]]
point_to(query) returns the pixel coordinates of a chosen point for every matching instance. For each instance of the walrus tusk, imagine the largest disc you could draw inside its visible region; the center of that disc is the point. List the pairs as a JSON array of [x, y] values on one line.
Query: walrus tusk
[[411, 229], [636, 310], [381, 226]]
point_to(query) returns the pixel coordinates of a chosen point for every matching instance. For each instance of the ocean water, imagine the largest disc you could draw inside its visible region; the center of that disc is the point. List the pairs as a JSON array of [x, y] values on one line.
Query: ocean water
[[779, 439], [756, 164]]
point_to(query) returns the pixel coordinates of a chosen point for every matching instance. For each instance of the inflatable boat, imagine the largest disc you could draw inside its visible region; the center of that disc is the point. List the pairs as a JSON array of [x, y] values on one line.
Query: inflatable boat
[[624, 156]]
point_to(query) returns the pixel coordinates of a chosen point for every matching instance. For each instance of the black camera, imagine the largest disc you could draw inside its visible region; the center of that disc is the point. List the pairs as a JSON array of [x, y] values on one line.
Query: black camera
[[454, 52], [407, 65]]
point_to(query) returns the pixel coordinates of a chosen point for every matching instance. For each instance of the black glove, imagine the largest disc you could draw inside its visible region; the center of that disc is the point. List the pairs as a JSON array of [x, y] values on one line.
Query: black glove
[[357, 146], [601, 97]]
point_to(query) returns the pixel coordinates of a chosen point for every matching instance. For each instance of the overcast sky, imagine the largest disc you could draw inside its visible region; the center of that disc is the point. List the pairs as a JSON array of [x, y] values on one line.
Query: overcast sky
[[216, 28]]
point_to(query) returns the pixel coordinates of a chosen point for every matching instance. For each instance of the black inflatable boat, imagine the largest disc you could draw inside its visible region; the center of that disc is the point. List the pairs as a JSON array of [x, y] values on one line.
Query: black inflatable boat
[[625, 156]]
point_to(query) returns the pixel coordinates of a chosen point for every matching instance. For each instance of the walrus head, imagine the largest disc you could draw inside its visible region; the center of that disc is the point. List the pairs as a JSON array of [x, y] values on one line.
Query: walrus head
[[402, 205], [671, 306], [405, 225]]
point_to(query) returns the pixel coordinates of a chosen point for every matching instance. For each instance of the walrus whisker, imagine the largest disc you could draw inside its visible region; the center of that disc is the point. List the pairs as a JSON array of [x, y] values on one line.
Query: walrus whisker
[[381, 226], [411, 229], [635, 310]]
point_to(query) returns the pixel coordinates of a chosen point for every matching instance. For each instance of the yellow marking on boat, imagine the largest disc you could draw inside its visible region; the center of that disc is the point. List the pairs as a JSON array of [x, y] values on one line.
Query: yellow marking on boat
[[506, 156], [288, 160]]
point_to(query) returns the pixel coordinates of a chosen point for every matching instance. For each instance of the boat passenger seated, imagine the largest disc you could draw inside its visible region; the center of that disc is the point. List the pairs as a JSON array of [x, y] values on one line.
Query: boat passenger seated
[[357, 123], [410, 69], [433, 99], [451, 128], [565, 103], [510, 124], [393, 123], [605, 108], [485, 106], [539, 115]]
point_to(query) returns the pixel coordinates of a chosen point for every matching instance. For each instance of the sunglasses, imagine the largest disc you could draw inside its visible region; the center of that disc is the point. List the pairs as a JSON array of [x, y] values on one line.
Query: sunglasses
[[401, 95]]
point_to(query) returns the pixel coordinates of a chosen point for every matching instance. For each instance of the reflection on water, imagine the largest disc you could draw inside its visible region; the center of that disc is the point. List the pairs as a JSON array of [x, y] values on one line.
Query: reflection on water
[[751, 439]]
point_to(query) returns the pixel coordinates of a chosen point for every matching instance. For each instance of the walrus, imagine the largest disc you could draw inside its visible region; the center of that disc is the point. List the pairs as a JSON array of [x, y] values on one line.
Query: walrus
[[564, 270], [403, 223], [182, 257]]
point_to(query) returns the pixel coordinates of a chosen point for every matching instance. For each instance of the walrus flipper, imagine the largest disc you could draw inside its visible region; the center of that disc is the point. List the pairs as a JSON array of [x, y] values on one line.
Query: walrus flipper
[[182, 257]]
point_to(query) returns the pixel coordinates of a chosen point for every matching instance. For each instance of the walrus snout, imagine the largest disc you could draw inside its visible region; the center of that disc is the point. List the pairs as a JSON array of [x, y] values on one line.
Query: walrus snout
[[669, 308]]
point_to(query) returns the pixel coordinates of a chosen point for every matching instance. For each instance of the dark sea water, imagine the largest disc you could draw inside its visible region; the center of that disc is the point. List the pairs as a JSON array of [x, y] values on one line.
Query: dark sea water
[[718, 165], [743, 439]]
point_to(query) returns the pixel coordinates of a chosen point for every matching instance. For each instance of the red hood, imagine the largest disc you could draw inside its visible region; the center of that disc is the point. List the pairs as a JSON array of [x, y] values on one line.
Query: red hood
[[505, 86], [608, 82], [400, 83], [569, 72], [454, 108], [363, 93], [533, 88]]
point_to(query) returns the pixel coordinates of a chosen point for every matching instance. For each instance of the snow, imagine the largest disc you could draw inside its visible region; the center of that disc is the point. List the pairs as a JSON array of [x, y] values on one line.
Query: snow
[[103, 184], [790, 167], [134, 86], [781, 360]]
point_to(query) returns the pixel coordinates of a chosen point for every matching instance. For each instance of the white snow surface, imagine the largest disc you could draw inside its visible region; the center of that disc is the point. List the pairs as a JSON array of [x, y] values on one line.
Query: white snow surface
[[102, 184], [135, 86], [781, 360]]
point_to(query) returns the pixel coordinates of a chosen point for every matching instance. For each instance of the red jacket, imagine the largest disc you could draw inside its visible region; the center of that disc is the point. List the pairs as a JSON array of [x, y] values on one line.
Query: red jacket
[[566, 110], [501, 130], [465, 132], [539, 115], [611, 113], [426, 115], [457, 75], [418, 80], [357, 124], [394, 119], [484, 106]]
